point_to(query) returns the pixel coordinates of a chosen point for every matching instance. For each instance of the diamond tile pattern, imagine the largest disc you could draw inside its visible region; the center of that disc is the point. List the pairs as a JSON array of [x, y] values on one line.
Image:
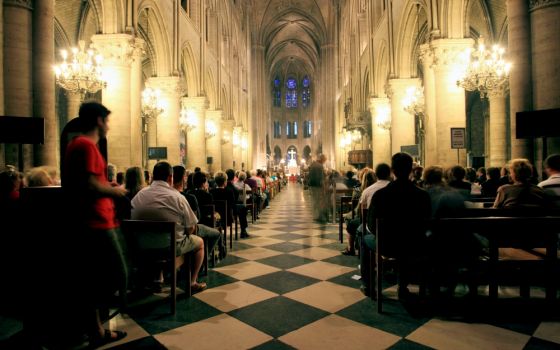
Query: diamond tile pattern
[[288, 287]]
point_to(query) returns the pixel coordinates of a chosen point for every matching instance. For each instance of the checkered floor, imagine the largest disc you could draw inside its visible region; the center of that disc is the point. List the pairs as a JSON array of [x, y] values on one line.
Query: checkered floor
[[289, 287]]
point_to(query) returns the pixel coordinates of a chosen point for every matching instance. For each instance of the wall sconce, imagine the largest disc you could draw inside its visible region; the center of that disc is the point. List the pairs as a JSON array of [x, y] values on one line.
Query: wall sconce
[[211, 129], [188, 119]]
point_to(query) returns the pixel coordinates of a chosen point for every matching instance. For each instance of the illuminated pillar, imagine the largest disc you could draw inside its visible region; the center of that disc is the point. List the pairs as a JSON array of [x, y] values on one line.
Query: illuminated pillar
[[167, 123], [196, 142], [381, 136], [214, 142], [402, 122], [450, 99], [116, 50], [227, 144], [136, 125], [237, 151], [497, 129], [430, 117]]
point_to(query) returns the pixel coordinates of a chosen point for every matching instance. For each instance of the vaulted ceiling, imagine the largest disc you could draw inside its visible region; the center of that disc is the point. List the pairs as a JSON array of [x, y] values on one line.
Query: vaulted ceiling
[[292, 32]]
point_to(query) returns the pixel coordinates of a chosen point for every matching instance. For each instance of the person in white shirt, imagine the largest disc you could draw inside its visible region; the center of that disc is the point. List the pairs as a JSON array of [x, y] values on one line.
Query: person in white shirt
[[551, 186], [160, 201]]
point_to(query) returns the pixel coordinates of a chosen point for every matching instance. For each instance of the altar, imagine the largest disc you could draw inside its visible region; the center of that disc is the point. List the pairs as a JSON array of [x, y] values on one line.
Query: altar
[[293, 168]]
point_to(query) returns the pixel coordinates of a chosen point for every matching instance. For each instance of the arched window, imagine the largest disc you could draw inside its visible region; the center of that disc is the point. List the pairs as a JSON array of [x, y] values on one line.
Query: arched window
[[291, 93], [307, 129], [276, 93], [305, 93], [291, 130], [277, 130]]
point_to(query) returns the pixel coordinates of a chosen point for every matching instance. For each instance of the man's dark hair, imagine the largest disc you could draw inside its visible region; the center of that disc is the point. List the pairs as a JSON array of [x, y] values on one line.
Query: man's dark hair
[[220, 179], [553, 162], [199, 179], [161, 172], [197, 169], [401, 163], [458, 173], [349, 174], [493, 173], [383, 171], [147, 177], [230, 174], [89, 111], [178, 173]]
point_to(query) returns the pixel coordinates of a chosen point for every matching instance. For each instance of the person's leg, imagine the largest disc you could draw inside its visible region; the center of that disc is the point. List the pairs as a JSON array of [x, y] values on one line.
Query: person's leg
[[211, 235], [198, 260]]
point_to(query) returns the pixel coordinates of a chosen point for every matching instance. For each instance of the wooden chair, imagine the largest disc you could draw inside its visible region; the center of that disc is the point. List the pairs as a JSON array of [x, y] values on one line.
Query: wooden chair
[[210, 211], [155, 241], [344, 201], [226, 220]]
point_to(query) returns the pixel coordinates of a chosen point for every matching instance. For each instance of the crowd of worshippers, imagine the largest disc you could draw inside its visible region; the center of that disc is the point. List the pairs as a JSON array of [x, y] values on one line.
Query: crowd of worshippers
[[411, 193]]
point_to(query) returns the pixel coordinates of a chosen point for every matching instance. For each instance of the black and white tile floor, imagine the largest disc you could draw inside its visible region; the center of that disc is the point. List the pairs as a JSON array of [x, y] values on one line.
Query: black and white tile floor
[[289, 287]]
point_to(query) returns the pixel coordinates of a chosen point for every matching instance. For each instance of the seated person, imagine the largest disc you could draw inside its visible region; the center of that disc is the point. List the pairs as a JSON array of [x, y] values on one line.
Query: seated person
[[405, 207], [522, 193], [490, 187], [160, 201], [456, 180], [223, 194], [551, 185]]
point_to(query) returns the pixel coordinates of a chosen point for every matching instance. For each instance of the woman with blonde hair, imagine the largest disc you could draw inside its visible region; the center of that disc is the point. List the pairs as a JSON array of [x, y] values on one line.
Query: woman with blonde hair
[[522, 193]]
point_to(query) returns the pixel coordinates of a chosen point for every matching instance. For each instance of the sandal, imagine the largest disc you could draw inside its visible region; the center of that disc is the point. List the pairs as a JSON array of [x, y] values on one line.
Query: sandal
[[347, 252], [107, 338], [198, 287]]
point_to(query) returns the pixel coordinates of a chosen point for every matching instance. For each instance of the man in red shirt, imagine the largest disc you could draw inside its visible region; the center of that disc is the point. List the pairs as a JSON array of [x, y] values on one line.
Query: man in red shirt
[[92, 213]]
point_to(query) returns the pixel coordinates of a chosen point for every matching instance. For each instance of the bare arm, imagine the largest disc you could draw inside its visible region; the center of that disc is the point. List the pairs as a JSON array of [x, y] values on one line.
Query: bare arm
[[104, 190]]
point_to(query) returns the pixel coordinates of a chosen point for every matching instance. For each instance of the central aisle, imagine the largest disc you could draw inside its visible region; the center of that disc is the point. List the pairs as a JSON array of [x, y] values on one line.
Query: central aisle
[[289, 287]]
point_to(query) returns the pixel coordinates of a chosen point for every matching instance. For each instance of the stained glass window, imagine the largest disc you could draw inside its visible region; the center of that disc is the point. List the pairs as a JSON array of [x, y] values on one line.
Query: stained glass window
[[276, 93], [305, 93], [307, 129], [291, 93], [277, 130]]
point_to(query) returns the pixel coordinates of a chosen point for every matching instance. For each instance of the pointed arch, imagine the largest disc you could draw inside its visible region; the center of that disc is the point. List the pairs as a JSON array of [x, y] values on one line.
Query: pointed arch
[[381, 69], [151, 27], [113, 19], [210, 89], [190, 69], [413, 27]]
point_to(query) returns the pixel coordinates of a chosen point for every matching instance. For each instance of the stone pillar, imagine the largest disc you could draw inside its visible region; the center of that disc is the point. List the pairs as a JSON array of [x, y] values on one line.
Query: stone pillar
[[43, 81], [227, 144], [450, 98], [2, 159], [18, 53], [259, 107], [237, 152], [497, 129], [245, 152], [167, 130], [545, 26], [196, 143], [520, 78], [73, 101], [328, 101], [430, 117], [117, 56], [381, 138], [402, 122], [136, 124], [214, 143]]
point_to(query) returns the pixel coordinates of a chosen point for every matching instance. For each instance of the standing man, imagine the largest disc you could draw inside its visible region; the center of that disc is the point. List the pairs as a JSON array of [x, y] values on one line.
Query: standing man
[[317, 187], [92, 211]]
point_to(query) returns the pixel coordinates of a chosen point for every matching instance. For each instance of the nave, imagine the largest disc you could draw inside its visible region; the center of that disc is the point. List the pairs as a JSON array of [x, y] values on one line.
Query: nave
[[288, 286]]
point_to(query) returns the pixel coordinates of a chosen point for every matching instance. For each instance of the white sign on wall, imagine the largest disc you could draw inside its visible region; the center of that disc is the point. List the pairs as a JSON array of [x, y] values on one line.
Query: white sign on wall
[[458, 138]]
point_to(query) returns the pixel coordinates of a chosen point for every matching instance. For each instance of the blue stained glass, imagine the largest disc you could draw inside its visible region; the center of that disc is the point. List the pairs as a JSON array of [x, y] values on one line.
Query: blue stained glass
[[291, 84], [306, 82], [276, 82]]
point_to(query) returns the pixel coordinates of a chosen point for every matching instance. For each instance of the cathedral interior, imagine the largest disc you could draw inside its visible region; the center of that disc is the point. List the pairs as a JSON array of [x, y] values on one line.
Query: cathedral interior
[[273, 84]]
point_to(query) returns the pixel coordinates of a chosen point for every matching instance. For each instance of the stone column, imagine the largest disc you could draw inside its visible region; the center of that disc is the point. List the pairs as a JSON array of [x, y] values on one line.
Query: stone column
[[381, 138], [18, 53], [497, 130], [73, 101], [167, 130], [430, 117], [196, 143], [450, 99], [227, 144], [328, 101], [402, 122], [545, 26], [237, 154], [520, 77], [214, 143], [43, 81], [136, 124], [117, 56], [245, 151]]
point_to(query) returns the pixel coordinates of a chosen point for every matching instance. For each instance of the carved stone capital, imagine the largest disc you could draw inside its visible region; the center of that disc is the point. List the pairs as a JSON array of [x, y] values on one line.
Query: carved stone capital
[[449, 52], [197, 103], [116, 49], [426, 55], [171, 86], [540, 4], [138, 49], [26, 4], [215, 115]]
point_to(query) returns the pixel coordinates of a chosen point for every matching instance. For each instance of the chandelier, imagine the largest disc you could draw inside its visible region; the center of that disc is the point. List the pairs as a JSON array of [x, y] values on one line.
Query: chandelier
[[188, 119], [83, 73], [244, 141], [226, 138], [236, 137], [413, 101], [211, 129], [152, 104], [383, 117], [486, 71]]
